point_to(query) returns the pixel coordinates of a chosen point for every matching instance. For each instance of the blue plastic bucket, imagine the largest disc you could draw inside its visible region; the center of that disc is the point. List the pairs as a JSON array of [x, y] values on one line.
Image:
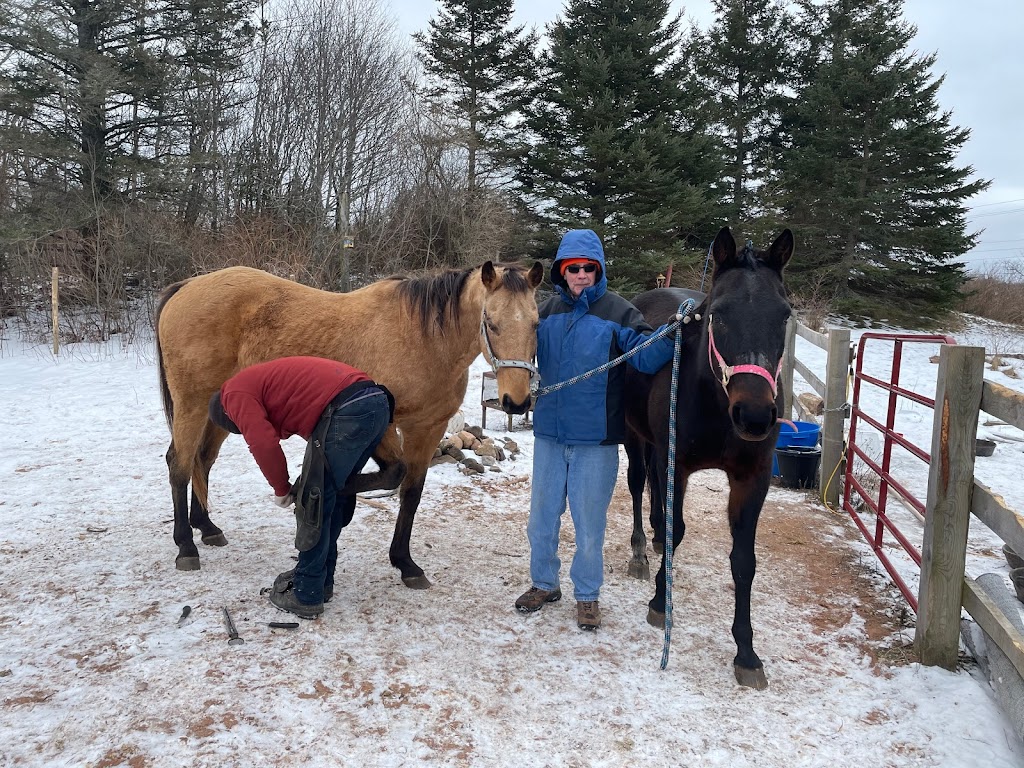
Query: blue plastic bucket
[[805, 435]]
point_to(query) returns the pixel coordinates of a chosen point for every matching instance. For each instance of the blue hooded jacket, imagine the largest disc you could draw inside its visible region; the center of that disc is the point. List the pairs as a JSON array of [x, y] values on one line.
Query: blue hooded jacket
[[576, 335]]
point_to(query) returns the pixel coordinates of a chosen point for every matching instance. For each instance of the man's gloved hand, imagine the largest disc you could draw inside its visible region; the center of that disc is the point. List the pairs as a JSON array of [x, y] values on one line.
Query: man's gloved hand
[[287, 500]]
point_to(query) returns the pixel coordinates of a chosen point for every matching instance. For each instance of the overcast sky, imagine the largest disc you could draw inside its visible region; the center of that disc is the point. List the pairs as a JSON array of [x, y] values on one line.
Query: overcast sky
[[978, 44]]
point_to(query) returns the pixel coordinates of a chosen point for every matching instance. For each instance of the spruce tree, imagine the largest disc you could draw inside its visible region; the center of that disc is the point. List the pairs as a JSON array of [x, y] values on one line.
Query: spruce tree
[[868, 177], [93, 88], [480, 71], [743, 65], [617, 144]]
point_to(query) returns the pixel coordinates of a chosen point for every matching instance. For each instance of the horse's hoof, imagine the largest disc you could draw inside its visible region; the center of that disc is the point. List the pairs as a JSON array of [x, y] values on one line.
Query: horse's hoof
[[655, 618], [187, 563], [638, 569], [217, 540], [658, 547], [751, 678], [416, 582]]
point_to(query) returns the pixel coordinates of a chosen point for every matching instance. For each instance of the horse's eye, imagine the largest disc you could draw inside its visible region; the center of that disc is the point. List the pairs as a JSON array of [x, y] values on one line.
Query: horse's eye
[[493, 328]]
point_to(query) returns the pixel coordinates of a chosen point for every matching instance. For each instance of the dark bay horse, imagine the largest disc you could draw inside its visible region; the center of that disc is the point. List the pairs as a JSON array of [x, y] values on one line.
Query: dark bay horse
[[416, 336], [728, 407]]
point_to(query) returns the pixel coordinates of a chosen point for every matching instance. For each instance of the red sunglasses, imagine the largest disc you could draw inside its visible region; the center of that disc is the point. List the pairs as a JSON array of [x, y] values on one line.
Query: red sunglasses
[[574, 268]]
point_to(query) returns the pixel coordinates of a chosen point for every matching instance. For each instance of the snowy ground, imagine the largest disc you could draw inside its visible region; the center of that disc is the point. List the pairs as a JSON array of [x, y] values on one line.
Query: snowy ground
[[95, 671], [1001, 472]]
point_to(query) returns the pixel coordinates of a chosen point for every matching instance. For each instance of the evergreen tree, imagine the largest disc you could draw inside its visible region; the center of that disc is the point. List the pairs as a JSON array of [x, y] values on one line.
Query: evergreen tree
[[480, 71], [93, 88], [742, 64], [618, 145], [868, 177]]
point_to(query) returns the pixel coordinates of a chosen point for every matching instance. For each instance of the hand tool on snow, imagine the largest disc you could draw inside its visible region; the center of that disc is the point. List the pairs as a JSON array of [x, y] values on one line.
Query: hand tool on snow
[[185, 613], [233, 637]]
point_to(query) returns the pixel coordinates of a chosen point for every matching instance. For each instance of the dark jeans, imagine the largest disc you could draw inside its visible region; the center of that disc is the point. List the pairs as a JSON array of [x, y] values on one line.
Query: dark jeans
[[356, 428]]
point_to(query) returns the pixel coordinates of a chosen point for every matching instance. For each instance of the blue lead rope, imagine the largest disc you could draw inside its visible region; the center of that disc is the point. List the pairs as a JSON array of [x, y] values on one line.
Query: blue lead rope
[[670, 495], [676, 325]]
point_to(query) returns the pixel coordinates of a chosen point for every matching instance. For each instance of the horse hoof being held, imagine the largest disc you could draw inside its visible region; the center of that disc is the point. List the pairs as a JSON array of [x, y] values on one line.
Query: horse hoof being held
[[727, 412], [416, 336]]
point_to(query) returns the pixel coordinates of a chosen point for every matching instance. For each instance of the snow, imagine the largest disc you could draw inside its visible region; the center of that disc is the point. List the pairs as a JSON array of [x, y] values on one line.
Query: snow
[[95, 671], [1000, 472]]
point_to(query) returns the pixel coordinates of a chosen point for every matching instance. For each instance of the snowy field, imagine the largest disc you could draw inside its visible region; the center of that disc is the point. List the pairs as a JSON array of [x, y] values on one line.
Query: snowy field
[[95, 671]]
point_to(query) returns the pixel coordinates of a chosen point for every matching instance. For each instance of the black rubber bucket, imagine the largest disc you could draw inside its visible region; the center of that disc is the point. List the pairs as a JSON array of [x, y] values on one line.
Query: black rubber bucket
[[798, 466]]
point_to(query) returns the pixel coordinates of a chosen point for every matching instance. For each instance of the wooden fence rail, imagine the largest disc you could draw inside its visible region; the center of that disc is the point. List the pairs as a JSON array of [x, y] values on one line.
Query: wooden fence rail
[[833, 391], [953, 492]]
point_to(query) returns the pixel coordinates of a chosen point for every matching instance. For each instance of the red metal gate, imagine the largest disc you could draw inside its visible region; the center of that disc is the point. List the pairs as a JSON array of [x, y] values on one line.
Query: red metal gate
[[890, 437]]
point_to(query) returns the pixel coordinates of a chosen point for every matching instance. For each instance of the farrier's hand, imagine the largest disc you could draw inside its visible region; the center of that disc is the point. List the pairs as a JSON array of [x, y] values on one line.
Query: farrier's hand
[[287, 500]]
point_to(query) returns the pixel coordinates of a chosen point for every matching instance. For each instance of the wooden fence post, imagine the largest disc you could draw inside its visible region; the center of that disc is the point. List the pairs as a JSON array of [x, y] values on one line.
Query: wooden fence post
[[834, 419], [53, 310], [948, 509], [788, 363]]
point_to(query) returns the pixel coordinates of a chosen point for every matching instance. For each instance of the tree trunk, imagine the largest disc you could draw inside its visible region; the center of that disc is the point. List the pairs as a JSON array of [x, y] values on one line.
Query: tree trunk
[[88, 20]]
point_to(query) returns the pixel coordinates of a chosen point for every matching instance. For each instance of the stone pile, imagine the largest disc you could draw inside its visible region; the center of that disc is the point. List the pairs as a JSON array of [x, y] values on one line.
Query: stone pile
[[473, 451]]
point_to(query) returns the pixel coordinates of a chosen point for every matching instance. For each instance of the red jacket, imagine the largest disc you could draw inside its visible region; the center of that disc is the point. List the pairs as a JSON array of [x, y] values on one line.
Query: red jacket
[[272, 401]]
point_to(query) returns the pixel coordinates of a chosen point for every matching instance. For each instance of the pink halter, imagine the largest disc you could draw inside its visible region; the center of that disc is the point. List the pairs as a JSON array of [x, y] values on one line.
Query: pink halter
[[728, 371]]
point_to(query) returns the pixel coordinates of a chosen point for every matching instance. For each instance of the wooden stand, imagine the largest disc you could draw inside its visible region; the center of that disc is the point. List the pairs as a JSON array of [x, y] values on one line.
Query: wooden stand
[[486, 403]]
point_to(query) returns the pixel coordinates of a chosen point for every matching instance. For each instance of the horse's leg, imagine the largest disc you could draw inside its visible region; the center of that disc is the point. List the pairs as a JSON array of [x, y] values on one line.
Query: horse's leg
[[746, 496], [186, 437], [188, 555], [418, 448], [636, 476], [656, 607], [213, 439], [656, 482], [391, 468]]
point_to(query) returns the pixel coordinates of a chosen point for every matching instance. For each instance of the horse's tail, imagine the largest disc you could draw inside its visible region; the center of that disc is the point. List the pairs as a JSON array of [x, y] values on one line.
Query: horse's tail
[[199, 485], [165, 392]]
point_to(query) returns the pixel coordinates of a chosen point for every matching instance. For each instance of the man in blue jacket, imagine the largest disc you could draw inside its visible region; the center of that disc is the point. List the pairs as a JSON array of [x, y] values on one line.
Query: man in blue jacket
[[578, 428]]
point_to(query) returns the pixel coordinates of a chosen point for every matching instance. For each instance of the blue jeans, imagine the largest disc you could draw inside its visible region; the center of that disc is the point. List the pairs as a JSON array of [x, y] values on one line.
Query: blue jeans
[[356, 428], [585, 475]]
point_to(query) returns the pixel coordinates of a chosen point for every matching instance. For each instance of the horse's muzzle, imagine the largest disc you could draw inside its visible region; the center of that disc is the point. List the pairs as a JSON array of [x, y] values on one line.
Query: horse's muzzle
[[508, 405], [753, 422]]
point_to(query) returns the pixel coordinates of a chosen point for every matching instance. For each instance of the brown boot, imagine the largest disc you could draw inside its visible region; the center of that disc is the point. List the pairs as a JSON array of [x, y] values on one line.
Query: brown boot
[[588, 615], [534, 598]]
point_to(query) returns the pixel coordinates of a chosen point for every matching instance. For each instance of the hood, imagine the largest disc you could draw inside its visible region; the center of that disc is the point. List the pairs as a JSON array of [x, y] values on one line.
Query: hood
[[579, 243]]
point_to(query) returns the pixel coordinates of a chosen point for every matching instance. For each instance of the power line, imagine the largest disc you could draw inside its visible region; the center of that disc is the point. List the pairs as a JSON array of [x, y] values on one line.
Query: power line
[[1004, 202], [989, 214]]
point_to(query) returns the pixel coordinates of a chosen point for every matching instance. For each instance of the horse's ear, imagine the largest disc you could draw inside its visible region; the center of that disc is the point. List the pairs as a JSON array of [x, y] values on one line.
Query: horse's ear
[[723, 249], [781, 251], [535, 275], [489, 276]]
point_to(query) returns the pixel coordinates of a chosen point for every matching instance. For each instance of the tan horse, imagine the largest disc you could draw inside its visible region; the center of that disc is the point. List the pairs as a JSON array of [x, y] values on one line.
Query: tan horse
[[416, 336]]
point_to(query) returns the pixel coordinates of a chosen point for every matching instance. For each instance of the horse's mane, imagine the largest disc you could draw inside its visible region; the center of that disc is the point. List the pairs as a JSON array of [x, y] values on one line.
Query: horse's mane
[[747, 258], [435, 298]]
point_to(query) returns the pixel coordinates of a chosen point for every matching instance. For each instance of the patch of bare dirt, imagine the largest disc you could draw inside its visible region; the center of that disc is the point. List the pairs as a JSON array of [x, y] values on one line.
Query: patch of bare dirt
[[799, 542]]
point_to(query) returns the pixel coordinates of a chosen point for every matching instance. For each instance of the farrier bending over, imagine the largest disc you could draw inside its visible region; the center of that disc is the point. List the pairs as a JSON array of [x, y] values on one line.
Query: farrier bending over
[[343, 414]]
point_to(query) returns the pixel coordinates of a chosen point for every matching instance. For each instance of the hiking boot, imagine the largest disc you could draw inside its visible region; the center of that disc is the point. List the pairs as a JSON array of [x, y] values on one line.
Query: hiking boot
[[287, 601], [283, 582], [588, 615], [534, 598]]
